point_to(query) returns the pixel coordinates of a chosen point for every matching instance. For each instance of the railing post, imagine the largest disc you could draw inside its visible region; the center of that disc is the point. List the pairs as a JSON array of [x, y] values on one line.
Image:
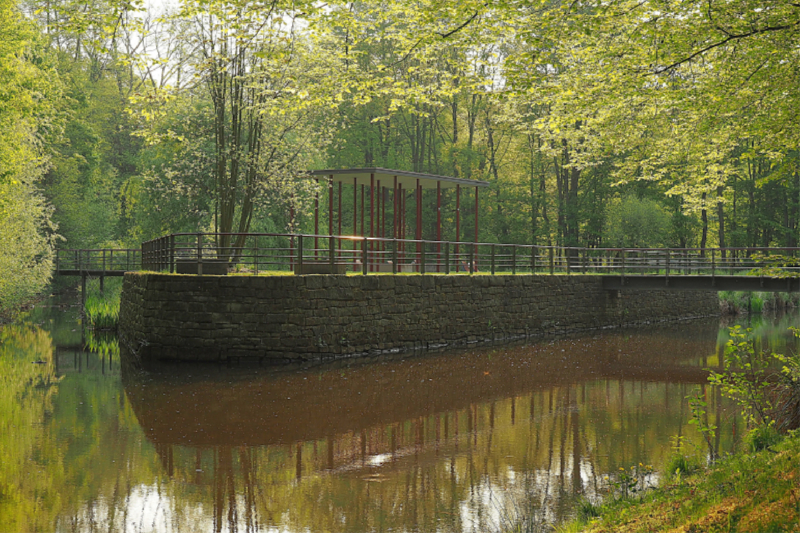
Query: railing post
[[533, 260], [667, 269], [331, 252], [471, 259], [199, 254], [422, 258], [255, 258], [394, 257], [552, 262], [364, 257], [713, 268], [172, 253], [623, 267], [513, 259], [447, 257], [493, 251], [300, 253]]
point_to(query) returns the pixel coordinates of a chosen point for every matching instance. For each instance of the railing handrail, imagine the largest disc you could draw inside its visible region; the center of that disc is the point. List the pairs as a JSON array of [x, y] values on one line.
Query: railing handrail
[[428, 255], [359, 238]]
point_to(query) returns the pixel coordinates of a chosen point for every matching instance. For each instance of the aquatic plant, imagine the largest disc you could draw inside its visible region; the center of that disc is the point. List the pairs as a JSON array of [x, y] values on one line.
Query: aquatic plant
[[102, 308]]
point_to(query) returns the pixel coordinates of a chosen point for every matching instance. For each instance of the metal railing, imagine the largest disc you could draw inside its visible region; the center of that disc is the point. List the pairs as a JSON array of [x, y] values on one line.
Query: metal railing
[[258, 252], [98, 260]]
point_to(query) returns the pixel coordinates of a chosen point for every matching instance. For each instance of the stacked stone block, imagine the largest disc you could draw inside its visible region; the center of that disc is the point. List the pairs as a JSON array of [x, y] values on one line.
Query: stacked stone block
[[286, 318]]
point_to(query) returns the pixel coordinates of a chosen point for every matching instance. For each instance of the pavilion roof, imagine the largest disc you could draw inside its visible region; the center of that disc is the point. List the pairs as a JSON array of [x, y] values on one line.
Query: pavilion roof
[[386, 177]]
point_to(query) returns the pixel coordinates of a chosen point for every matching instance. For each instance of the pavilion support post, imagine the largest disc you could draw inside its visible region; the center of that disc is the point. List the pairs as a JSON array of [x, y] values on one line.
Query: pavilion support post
[[476, 225], [418, 233], [331, 242], [316, 218], [401, 222], [292, 231], [394, 209], [379, 223], [330, 206], [438, 225], [458, 221], [355, 216], [371, 215]]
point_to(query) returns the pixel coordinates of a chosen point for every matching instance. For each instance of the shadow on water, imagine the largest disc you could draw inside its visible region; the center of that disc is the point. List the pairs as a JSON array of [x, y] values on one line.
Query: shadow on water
[[465, 440]]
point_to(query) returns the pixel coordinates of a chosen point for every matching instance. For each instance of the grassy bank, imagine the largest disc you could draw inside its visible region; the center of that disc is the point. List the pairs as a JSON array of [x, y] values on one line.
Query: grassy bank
[[757, 489], [746, 303], [750, 491]]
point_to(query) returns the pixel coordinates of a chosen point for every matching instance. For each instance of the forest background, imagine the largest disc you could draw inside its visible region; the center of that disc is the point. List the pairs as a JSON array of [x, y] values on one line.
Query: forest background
[[626, 123]]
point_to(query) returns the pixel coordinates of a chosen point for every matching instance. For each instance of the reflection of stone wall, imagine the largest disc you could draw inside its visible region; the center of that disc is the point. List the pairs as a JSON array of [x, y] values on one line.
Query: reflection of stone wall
[[307, 317]]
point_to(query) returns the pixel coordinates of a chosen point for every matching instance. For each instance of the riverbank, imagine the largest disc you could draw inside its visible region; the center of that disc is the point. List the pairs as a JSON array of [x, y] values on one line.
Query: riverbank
[[747, 491]]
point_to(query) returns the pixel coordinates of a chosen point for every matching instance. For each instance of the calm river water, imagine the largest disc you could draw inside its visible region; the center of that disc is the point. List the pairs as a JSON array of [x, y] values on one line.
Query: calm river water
[[466, 440]]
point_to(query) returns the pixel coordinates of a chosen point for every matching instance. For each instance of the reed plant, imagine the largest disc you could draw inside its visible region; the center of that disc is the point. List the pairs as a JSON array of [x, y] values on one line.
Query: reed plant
[[102, 307]]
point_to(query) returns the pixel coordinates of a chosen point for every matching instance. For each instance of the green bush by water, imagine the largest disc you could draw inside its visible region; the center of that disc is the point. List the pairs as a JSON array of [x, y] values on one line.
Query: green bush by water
[[762, 437]]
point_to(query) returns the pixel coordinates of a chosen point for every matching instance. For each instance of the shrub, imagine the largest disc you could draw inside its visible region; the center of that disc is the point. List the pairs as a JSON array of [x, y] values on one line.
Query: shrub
[[762, 437]]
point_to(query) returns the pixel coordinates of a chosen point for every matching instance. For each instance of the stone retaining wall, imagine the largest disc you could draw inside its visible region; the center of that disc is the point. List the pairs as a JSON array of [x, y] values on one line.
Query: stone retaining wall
[[282, 318]]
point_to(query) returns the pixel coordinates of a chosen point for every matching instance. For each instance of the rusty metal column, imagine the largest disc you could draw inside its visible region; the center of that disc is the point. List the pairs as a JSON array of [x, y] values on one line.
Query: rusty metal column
[[355, 208], [418, 233], [330, 205], [363, 210], [394, 209], [371, 218], [331, 243], [438, 224], [292, 231], [355, 216], [316, 218], [379, 224], [458, 222], [401, 218], [476, 226]]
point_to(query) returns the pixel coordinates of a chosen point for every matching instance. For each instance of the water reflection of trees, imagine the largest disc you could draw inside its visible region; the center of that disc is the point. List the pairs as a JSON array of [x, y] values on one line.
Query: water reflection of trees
[[440, 442], [460, 441]]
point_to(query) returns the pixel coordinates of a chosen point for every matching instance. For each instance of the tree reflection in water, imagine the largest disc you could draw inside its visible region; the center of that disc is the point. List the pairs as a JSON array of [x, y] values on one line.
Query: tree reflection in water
[[449, 442], [461, 441]]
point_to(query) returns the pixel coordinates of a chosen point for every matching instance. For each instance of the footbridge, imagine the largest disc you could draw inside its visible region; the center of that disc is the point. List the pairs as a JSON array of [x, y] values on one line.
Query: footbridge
[[720, 269]]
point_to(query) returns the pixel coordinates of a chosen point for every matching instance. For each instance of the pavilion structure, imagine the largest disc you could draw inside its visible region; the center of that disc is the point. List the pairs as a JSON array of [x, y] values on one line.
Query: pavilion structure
[[372, 189]]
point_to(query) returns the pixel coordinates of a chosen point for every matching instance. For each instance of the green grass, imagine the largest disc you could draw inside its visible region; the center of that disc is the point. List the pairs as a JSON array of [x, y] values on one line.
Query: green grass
[[102, 308], [749, 491]]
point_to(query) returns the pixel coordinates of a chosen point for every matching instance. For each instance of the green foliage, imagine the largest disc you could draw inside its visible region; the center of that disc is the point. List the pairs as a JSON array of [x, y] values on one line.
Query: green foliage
[[681, 462], [698, 407], [637, 223], [28, 235], [745, 378], [761, 437], [625, 483], [586, 509], [745, 492]]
